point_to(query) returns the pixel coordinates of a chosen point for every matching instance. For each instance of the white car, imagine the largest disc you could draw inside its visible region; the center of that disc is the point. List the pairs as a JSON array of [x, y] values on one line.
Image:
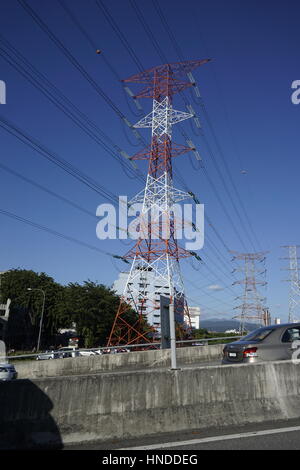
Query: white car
[[68, 351], [87, 352], [7, 372], [99, 352]]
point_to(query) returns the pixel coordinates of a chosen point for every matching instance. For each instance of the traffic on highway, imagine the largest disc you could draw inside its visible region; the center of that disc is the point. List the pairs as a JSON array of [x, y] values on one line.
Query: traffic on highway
[[272, 343]]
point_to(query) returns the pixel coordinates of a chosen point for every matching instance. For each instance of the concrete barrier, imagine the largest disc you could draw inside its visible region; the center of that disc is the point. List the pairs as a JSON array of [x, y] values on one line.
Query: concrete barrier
[[134, 404], [114, 362]]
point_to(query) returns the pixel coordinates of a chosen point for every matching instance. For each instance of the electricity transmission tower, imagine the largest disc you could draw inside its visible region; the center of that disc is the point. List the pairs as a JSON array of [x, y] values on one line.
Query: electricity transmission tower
[[294, 296], [252, 306], [155, 257]]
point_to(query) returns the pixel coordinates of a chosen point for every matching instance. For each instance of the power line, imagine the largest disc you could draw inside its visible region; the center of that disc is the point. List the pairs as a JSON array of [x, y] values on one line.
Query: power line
[[55, 233], [148, 31], [58, 161], [76, 64], [29, 141], [208, 294], [46, 190], [169, 31], [89, 39], [226, 117], [181, 57], [102, 55], [120, 35], [54, 95], [205, 306], [230, 176], [164, 59], [24, 3]]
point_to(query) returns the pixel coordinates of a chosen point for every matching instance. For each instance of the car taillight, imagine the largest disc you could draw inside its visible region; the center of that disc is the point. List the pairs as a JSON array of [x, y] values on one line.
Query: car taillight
[[250, 352]]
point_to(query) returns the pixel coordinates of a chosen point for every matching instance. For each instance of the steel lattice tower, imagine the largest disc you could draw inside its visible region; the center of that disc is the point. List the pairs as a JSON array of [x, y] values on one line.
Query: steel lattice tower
[[294, 296], [156, 253], [252, 307]]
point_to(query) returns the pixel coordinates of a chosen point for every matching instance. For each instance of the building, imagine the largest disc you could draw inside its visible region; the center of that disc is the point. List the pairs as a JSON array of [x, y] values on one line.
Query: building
[[4, 312], [4, 315], [195, 317], [146, 285]]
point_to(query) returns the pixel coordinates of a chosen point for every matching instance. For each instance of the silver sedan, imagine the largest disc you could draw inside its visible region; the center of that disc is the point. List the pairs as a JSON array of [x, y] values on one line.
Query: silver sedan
[[7, 372], [270, 343], [48, 355]]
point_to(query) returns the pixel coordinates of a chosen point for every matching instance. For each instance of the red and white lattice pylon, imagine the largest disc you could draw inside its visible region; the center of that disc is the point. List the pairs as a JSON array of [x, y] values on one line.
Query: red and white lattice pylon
[[155, 257]]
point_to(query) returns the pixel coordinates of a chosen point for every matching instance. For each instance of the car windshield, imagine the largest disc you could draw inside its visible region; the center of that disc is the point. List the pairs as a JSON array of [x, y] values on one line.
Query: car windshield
[[258, 335]]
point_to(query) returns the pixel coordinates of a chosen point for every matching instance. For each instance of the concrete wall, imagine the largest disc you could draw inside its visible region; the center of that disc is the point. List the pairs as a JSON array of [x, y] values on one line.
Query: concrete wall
[[124, 405], [113, 362]]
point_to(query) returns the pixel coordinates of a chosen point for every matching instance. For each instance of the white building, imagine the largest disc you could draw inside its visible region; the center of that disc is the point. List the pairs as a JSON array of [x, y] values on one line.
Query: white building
[[146, 286], [195, 317]]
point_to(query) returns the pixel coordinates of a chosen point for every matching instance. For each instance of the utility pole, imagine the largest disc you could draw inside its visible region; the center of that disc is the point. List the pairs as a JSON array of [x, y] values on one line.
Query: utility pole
[[252, 306], [294, 295], [172, 334], [1, 273], [156, 255], [42, 315]]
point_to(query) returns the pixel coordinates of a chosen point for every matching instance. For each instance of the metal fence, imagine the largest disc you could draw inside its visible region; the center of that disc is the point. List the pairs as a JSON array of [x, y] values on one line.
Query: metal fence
[[114, 349]]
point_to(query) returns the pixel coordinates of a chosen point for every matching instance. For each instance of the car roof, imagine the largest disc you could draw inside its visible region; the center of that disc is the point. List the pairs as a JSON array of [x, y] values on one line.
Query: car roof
[[283, 325]]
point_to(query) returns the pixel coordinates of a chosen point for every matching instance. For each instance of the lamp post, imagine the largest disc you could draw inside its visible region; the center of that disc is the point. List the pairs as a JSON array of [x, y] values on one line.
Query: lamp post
[[42, 315]]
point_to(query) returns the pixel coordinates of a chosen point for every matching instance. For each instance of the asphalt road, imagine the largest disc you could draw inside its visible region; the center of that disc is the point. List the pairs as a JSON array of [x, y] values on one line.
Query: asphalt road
[[280, 435]]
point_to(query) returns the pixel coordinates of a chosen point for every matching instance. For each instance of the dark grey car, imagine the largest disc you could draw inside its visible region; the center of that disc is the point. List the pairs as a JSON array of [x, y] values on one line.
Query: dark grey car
[[270, 343]]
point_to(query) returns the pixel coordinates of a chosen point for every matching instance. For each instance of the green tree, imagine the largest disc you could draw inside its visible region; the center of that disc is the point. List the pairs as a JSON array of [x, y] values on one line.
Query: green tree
[[201, 333], [92, 307], [26, 306]]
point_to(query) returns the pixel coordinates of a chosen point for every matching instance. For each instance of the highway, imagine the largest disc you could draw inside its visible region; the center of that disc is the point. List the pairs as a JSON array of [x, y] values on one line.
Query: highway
[[280, 435]]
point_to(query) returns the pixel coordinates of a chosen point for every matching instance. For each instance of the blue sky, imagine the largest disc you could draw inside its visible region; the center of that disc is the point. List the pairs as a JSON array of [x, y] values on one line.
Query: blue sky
[[246, 90]]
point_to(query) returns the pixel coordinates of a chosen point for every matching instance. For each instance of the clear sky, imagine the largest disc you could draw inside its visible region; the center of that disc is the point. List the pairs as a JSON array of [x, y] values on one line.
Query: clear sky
[[247, 94]]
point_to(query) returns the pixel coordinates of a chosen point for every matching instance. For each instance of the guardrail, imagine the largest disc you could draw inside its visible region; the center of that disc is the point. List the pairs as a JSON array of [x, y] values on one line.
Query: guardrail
[[112, 349], [206, 340]]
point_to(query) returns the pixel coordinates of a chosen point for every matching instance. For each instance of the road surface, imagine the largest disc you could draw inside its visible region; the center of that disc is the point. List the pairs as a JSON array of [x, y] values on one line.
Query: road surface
[[280, 435]]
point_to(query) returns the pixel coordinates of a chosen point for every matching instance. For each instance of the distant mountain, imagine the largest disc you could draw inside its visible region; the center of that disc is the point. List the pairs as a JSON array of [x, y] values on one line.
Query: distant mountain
[[221, 325]]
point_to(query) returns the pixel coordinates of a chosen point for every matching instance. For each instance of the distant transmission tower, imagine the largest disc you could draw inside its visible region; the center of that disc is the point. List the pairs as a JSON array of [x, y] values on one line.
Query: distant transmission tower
[[252, 306], [155, 259], [294, 297]]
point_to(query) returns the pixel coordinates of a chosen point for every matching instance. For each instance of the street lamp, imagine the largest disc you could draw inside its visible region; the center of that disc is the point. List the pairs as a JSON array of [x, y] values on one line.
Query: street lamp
[[41, 321]]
